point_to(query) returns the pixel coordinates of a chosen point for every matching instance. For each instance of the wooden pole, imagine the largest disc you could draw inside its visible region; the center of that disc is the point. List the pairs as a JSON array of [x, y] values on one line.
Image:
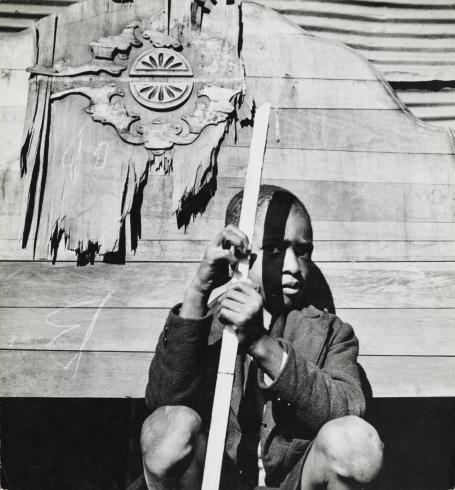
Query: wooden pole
[[229, 343]]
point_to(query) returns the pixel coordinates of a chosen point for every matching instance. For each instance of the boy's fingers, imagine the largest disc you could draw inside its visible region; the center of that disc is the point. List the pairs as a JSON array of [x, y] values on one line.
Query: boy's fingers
[[246, 285], [230, 305], [231, 237], [234, 295], [228, 255]]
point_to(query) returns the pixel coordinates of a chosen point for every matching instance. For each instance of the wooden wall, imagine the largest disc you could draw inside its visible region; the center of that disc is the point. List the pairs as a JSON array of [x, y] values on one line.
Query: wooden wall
[[410, 42], [378, 183]]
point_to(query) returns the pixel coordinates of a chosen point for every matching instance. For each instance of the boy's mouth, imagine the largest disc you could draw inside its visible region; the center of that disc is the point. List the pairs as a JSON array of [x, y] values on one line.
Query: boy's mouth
[[291, 287]]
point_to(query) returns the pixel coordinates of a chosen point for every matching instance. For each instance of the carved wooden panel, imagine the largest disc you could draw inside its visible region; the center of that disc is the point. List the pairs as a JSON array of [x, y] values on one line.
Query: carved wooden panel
[[162, 83]]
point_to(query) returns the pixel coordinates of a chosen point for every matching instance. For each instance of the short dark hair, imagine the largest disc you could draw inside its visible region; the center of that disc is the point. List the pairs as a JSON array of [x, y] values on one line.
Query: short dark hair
[[266, 193]]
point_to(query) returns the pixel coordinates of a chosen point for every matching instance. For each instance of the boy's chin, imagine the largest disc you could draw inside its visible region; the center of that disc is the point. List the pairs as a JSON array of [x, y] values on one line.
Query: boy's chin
[[291, 302]]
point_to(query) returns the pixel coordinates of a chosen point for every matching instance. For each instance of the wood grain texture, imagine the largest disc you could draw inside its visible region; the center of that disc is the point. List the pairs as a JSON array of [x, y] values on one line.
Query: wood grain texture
[[161, 284], [120, 375], [317, 93], [381, 332], [343, 166], [324, 251], [360, 130]]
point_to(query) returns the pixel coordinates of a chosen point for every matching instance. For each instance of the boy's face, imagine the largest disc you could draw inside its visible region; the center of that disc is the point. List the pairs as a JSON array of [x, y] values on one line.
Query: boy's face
[[283, 259]]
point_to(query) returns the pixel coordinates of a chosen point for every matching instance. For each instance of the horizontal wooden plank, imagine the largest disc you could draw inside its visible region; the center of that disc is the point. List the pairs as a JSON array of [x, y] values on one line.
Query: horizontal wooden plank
[[120, 375], [93, 327], [324, 251], [362, 202], [349, 130], [161, 284], [73, 375], [342, 166], [321, 94], [410, 376], [31, 10], [89, 327], [403, 332]]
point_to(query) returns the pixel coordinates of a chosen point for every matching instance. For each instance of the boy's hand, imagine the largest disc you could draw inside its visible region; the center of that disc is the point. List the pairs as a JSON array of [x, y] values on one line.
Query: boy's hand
[[214, 268], [241, 306]]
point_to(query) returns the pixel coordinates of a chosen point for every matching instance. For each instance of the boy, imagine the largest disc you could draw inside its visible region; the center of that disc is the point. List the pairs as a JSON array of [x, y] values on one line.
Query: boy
[[297, 393]]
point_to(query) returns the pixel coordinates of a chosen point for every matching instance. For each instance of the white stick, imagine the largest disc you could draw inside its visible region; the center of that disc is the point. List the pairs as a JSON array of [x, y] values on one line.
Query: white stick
[[229, 343]]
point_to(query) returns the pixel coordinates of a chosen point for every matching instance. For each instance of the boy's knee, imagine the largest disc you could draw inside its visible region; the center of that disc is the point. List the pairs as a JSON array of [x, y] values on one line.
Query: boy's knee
[[351, 448], [168, 440]]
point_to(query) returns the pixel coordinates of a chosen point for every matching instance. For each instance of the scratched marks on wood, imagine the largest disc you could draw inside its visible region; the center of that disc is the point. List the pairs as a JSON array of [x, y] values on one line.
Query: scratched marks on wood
[[70, 329]]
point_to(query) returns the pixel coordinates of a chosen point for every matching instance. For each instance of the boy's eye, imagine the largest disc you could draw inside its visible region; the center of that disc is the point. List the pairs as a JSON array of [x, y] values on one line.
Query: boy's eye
[[303, 252], [272, 249]]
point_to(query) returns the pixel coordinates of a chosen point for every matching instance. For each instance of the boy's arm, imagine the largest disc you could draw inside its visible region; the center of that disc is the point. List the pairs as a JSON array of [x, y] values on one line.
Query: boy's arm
[[305, 396], [176, 375], [178, 370]]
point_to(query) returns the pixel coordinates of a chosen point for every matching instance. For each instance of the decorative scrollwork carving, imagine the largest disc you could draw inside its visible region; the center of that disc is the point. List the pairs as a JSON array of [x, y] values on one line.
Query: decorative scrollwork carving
[[95, 68], [110, 46]]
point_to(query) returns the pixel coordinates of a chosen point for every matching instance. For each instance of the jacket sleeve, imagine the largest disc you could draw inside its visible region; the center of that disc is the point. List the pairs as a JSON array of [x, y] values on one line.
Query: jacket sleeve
[[305, 396], [177, 371]]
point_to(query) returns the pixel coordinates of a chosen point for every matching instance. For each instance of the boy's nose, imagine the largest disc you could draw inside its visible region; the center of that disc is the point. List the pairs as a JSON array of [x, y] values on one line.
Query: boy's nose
[[291, 262]]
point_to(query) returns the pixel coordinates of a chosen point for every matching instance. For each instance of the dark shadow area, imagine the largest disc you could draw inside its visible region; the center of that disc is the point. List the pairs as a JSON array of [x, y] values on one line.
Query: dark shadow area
[[70, 444], [418, 434], [135, 213], [319, 293], [119, 256], [195, 204], [88, 444], [88, 256], [366, 386]]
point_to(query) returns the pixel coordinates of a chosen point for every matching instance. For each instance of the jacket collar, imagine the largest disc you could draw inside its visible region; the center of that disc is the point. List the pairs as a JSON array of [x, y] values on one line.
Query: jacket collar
[[311, 312]]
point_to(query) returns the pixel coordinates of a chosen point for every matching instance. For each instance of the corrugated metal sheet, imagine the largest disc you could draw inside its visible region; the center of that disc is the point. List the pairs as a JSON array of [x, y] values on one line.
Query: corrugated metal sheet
[[411, 42]]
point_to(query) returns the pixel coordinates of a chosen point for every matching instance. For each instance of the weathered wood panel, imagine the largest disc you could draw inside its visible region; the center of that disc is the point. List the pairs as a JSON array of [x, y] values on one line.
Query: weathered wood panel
[[379, 186], [120, 375], [381, 332], [161, 284]]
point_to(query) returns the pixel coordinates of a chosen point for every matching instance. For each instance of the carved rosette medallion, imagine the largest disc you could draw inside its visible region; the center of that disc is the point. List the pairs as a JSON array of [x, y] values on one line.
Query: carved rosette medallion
[[156, 94]]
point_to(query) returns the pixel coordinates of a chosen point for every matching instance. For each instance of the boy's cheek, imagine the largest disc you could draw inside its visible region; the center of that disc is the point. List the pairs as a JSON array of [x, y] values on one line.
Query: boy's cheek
[[255, 273]]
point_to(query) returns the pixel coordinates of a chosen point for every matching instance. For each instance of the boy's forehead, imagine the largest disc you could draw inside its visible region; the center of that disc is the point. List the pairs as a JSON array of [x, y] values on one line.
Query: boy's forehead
[[292, 225]]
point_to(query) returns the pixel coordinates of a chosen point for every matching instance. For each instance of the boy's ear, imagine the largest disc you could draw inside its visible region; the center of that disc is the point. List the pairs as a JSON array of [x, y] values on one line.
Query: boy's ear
[[253, 258]]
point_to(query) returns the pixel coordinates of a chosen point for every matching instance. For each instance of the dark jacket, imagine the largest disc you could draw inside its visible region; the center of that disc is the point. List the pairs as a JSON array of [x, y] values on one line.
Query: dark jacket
[[320, 381]]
